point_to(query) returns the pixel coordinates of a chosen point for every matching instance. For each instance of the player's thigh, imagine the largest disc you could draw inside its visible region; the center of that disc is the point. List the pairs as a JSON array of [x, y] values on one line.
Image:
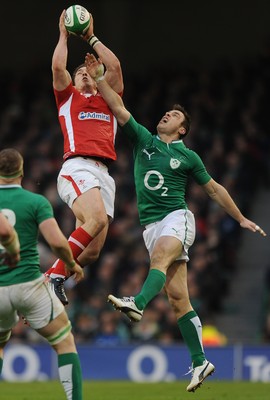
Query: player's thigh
[[38, 303], [180, 225], [54, 325], [165, 252], [8, 313], [89, 205], [58, 333]]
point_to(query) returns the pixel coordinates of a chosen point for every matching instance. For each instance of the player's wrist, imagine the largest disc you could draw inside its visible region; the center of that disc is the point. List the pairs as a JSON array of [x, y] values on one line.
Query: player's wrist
[[99, 78], [99, 73], [12, 245], [93, 41], [71, 264]]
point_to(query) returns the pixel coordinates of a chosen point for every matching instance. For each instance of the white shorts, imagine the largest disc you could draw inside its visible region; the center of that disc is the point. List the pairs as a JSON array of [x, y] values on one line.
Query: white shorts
[[35, 300], [179, 224], [80, 174]]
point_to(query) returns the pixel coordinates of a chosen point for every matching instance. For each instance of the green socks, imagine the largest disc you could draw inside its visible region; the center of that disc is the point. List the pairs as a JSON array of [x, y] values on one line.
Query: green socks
[[153, 284], [191, 329], [70, 375]]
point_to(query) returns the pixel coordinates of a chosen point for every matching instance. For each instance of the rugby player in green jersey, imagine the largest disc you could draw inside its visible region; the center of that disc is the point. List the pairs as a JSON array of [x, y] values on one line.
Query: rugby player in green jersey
[[23, 289], [162, 166]]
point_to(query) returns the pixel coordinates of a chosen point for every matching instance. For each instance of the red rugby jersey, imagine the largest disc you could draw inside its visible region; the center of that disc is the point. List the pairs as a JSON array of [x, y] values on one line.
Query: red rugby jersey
[[87, 124]]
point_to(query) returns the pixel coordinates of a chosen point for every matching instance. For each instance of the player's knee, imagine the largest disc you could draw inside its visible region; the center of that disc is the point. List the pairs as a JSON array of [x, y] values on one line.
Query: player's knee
[[60, 335], [101, 222], [96, 224]]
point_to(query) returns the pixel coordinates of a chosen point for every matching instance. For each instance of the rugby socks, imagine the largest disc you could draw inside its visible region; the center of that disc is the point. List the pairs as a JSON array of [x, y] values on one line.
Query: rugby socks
[[1, 364], [70, 374], [191, 329], [153, 284], [78, 241]]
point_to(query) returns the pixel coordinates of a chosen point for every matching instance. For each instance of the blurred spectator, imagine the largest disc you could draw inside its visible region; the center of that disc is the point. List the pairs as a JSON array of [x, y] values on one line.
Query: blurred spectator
[[212, 337], [111, 330]]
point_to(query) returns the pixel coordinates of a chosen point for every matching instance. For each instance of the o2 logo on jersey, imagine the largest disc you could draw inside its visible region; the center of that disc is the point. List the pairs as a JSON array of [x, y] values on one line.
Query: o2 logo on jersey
[[159, 184]]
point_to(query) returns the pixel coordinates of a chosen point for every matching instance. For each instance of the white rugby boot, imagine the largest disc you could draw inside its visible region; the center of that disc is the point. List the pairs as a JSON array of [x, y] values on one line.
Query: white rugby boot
[[126, 305]]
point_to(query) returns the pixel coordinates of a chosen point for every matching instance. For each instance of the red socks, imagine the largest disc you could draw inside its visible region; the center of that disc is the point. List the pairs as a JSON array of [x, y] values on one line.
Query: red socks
[[78, 241]]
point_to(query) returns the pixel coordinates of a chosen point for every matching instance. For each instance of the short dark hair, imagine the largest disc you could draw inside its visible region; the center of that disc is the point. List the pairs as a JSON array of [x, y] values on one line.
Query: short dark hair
[[76, 70], [187, 121], [11, 163]]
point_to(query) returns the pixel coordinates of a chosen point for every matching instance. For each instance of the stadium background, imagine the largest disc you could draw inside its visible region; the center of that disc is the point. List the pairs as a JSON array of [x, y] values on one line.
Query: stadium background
[[214, 58]]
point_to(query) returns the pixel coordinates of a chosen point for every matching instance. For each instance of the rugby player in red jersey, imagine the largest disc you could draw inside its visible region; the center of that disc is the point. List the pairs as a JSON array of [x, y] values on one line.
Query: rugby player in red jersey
[[89, 130]]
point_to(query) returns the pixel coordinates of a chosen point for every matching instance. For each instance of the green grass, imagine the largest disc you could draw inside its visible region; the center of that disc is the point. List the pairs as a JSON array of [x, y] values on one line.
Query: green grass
[[109, 390]]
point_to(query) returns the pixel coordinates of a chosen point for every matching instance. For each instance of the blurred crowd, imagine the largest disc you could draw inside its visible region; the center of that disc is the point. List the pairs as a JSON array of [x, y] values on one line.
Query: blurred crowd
[[230, 131]]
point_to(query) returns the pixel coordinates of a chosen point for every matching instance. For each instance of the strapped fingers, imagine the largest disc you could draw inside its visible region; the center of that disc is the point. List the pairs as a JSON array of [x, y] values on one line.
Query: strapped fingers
[[260, 230]]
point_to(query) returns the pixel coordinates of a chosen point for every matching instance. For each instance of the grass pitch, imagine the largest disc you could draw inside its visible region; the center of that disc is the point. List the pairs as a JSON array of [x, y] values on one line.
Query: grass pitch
[[110, 390]]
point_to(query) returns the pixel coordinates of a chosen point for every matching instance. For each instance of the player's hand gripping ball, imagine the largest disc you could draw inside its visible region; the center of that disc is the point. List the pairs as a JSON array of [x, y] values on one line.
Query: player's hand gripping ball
[[77, 20]]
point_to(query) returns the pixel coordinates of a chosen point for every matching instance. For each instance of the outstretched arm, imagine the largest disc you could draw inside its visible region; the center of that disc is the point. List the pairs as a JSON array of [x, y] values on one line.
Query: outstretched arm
[[218, 193], [95, 70], [113, 74]]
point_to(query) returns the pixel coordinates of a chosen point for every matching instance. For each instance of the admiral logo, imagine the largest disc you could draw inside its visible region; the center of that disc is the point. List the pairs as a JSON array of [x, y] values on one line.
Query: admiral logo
[[94, 115]]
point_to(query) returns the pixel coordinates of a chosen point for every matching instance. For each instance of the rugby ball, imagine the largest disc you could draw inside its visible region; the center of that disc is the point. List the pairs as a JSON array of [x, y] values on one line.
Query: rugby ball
[[77, 20]]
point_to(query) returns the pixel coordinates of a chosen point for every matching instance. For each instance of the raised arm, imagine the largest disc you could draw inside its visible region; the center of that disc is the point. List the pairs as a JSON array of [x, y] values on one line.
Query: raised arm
[[60, 247], [219, 194], [95, 69], [113, 74], [61, 77]]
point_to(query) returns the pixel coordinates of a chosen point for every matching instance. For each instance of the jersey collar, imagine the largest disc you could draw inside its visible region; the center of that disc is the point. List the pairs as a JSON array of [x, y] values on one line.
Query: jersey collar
[[12, 185], [174, 141]]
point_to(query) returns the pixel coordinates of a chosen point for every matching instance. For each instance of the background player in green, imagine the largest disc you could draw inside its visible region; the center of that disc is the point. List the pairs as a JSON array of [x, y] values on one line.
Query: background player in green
[[23, 289], [162, 166]]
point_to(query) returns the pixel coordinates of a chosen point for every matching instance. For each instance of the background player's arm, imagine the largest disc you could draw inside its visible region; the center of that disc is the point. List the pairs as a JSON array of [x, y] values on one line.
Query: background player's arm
[[113, 100], [113, 74], [219, 194], [60, 247], [9, 240], [61, 77]]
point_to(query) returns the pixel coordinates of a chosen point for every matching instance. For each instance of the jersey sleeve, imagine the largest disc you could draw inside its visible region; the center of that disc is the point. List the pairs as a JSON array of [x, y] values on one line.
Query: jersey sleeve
[[136, 133], [44, 209], [198, 170], [61, 96]]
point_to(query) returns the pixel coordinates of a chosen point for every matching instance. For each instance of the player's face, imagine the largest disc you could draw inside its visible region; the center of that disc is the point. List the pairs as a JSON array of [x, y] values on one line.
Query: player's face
[[83, 80], [171, 122]]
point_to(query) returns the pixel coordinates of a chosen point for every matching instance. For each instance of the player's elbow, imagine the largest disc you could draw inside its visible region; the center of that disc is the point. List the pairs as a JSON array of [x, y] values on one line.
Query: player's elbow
[[114, 66]]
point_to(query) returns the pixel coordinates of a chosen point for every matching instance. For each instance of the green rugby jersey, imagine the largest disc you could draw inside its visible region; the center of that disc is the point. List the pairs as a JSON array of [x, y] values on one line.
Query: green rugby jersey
[[25, 211], [161, 172]]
